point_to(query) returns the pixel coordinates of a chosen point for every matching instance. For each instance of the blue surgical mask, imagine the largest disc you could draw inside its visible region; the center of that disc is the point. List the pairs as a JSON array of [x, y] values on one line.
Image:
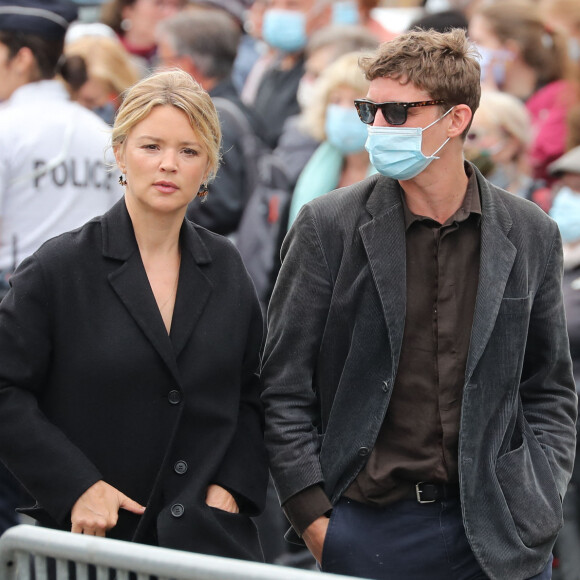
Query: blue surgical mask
[[344, 129], [493, 64], [285, 29], [345, 12], [565, 211], [396, 151]]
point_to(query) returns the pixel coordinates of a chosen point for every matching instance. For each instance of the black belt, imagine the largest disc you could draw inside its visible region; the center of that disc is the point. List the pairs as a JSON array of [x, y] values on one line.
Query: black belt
[[426, 492]]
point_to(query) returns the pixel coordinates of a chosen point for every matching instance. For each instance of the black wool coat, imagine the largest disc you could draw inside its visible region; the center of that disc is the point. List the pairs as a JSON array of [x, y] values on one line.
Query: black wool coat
[[92, 387]]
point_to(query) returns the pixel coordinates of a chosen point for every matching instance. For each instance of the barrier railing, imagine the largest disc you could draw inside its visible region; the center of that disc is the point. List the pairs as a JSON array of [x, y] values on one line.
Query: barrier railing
[[30, 552]]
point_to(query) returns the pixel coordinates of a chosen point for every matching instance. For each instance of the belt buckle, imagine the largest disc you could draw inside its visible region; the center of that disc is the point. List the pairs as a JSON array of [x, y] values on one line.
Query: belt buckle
[[418, 493]]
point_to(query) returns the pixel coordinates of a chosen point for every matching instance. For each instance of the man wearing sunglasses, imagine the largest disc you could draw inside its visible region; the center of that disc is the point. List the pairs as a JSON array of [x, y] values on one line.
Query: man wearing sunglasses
[[420, 405]]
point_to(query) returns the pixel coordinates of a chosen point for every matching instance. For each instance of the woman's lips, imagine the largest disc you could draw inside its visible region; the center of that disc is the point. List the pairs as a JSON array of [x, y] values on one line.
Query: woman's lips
[[165, 186]]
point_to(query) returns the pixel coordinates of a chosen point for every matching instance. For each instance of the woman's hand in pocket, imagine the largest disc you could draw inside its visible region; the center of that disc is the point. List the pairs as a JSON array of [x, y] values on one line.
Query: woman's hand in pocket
[[220, 498]]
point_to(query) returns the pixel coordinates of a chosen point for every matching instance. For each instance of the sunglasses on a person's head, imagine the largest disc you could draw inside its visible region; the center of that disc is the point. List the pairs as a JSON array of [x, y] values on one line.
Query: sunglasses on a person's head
[[393, 112]]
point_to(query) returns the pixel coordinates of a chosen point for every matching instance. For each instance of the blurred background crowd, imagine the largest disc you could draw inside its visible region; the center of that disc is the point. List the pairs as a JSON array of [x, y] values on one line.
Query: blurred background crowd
[[283, 75]]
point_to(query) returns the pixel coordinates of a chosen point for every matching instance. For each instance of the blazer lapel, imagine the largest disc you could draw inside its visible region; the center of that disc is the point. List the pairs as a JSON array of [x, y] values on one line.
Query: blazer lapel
[[194, 287], [496, 261], [384, 241]]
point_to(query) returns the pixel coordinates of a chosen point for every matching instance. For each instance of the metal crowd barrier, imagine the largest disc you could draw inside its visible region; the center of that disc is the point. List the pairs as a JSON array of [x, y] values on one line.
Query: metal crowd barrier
[[30, 552]]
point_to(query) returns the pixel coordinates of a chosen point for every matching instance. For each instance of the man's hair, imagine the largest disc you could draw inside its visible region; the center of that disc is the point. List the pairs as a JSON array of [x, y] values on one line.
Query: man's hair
[[209, 37], [443, 64]]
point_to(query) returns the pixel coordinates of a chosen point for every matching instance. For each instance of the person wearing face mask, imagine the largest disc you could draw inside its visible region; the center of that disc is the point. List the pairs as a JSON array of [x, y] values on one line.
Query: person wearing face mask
[[417, 382], [521, 54], [564, 15], [341, 158], [286, 27], [498, 142]]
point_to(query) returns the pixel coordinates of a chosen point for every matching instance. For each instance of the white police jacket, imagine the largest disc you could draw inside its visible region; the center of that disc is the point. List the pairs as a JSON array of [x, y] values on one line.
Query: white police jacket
[[54, 168]]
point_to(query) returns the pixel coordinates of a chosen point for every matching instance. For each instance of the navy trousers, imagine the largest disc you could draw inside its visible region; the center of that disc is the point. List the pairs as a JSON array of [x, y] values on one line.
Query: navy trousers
[[403, 541]]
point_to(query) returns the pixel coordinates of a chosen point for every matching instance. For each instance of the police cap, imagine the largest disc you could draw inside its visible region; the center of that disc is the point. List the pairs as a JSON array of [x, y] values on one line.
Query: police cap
[[46, 18]]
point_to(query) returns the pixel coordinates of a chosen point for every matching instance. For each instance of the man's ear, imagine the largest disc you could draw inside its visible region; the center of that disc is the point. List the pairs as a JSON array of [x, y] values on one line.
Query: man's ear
[[460, 118]]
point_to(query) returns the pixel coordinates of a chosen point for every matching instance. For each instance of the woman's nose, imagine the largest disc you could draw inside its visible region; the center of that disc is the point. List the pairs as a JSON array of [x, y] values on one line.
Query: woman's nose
[[169, 161]]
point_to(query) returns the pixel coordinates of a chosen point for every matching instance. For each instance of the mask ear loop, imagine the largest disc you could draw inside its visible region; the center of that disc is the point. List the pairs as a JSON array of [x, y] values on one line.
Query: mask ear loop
[[433, 155]]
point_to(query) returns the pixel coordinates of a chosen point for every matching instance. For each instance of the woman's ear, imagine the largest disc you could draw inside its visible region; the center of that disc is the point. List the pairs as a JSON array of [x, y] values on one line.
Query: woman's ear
[[119, 157]]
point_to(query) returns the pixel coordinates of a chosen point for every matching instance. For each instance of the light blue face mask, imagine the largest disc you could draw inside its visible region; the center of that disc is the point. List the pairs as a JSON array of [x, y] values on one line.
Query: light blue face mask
[[285, 29], [565, 211], [345, 12], [396, 151], [344, 129]]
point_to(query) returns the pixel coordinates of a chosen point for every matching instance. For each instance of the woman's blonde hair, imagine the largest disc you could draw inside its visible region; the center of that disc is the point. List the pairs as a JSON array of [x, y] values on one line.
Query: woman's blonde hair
[[106, 60], [344, 71], [178, 89], [507, 113]]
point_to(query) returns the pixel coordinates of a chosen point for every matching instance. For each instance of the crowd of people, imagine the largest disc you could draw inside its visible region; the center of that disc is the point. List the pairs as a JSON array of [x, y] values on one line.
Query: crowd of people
[[193, 333]]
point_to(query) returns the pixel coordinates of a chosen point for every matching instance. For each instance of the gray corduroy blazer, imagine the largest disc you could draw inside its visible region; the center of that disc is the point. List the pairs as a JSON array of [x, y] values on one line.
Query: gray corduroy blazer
[[335, 329]]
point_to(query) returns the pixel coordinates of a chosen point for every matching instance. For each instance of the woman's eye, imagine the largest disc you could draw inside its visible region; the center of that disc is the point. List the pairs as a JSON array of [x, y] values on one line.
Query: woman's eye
[[190, 152], [150, 146]]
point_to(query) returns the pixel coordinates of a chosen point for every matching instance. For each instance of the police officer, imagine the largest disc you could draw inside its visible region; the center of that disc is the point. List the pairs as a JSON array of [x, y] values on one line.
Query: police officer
[[53, 167]]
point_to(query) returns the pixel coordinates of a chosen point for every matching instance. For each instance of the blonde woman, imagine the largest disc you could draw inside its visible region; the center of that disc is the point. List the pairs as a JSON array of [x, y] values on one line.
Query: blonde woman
[[129, 401], [331, 118], [498, 141]]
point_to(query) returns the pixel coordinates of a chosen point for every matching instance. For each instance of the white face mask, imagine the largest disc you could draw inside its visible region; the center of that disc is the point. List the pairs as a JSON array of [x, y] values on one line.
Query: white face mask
[[396, 151]]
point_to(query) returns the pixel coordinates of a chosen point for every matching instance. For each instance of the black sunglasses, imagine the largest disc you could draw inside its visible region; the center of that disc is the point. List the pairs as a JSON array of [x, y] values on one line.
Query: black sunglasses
[[394, 113]]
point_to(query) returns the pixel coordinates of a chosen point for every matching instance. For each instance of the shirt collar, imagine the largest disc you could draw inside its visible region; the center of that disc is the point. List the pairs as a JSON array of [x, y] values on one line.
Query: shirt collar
[[471, 203]]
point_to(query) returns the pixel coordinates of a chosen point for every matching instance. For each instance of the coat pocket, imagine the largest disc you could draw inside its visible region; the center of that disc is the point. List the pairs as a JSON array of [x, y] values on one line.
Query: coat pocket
[[530, 491]]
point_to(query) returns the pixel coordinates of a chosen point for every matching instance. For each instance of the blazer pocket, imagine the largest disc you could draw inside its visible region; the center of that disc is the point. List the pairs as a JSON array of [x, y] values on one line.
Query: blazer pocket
[[530, 491]]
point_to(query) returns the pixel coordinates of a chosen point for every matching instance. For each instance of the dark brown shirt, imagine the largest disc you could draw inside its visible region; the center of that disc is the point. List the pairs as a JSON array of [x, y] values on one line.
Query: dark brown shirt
[[419, 436]]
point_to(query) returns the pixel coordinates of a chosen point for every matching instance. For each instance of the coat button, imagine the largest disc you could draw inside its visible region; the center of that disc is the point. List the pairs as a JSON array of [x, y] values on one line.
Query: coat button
[[177, 510], [363, 451], [180, 467], [385, 386], [174, 397]]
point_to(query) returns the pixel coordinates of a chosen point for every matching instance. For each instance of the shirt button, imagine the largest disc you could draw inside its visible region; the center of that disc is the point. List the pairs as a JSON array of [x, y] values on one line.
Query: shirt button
[[180, 467], [177, 510], [174, 397], [363, 451]]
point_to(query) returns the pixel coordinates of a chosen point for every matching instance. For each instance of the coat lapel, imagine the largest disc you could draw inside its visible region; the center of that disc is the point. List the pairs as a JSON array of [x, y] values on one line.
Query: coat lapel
[[194, 287], [130, 283], [384, 241], [496, 261]]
